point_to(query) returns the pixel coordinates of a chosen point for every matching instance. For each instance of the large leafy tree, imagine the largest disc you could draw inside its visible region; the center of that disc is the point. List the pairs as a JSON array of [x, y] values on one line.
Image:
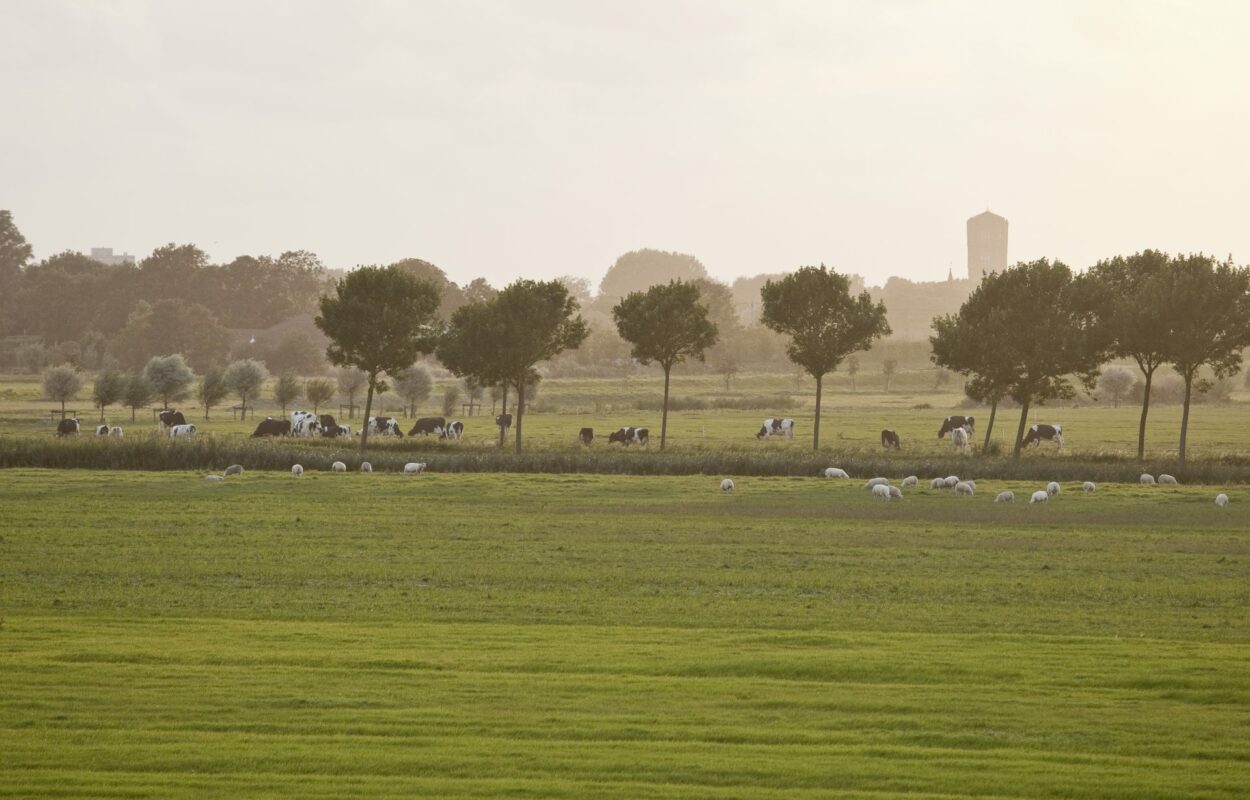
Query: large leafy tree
[[825, 323], [379, 320], [212, 388], [62, 384], [638, 269], [414, 385], [108, 389], [245, 378], [502, 340], [319, 391], [665, 324], [138, 393], [1135, 313], [286, 390], [15, 254], [1209, 321], [172, 326], [169, 376]]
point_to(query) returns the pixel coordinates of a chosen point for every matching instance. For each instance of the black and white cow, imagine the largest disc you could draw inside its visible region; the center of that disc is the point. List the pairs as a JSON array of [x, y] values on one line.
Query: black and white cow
[[951, 423], [182, 430], [171, 417], [889, 439], [586, 435], [304, 424], [503, 421], [776, 426], [272, 427], [102, 430], [453, 430], [628, 436], [429, 426], [383, 426], [1051, 433], [67, 427]]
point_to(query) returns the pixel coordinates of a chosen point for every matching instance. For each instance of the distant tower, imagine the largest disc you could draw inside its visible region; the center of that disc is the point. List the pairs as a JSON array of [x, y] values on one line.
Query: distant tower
[[987, 245]]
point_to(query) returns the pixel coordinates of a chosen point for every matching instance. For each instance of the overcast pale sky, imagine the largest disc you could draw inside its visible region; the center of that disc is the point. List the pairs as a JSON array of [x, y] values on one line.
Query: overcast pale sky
[[542, 138]]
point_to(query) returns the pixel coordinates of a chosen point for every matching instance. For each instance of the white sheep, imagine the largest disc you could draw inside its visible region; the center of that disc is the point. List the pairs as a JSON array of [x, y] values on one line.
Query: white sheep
[[1052, 488], [963, 487], [881, 490], [895, 493], [834, 472], [233, 469], [973, 484], [213, 478], [1164, 478], [1088, 487], [414, 467], [1039, 497], [1221, 500], [951, 480], [911, 480], [297, 470], [875, 482], [727, 485], [1006, 497], [938, 483], [338, 466], [1147, 479], [365, 466]]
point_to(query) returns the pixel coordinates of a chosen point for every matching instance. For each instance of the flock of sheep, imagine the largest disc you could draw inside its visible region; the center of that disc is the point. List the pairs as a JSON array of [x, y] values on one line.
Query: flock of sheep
[[297, 470], [882, 488]]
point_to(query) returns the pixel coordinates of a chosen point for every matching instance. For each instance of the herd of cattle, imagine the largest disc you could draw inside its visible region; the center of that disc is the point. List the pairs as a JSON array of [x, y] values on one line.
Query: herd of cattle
[[305, 424]]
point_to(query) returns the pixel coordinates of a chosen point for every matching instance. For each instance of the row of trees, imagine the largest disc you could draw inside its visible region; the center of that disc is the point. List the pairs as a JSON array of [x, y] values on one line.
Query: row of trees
[[1029, 332]]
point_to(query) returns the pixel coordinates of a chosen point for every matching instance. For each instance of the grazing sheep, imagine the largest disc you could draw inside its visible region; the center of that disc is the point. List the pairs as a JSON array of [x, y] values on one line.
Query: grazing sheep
[[963, 487], [1221, 500], [911, 480], [213, 478], [951, 480], [881, 490], [1006, 497], [234, 469], [1039, 497], [1088, 487], [938, 483], [875, 482], [365, 466], [973, 484], [1168, 479], [1052, 488], [116, 430], [414, 467], [895, 493], [1147, 479], [726, 486], [297, 470], [834, 472], [338, 466]]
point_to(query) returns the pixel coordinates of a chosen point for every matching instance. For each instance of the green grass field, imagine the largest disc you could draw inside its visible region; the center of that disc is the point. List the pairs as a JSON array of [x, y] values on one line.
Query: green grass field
[[496, 635]]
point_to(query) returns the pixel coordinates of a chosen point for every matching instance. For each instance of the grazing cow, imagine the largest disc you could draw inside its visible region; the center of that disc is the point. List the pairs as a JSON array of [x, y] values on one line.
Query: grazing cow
[[727, 485], [889, 439], [329, 426], [959, 438], [383, 426], [628, 436], [503, 421], [304, 424], [586, 436], [67, 427], [951, 423], [342, 430], [776, 426], [1048, 432], [116, 430], [101, 430], [453, 430], [169, 418], [182, 430], [429, 425], [272, 427]]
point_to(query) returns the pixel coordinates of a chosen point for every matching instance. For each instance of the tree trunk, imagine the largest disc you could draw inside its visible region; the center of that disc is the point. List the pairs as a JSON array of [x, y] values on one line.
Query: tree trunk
[[132, 413], [101, 413], [990, 427], [1024, 418], [62, 409], [520, 411], [1145, 409], [1189, 385], [664, 415], [820, 380], [503, 410], [364, 429]]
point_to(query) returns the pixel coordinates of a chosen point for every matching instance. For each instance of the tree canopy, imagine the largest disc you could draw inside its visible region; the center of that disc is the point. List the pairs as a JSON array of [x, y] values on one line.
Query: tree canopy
[[245, 378], [169, 376], [639, 269], [62, 384]]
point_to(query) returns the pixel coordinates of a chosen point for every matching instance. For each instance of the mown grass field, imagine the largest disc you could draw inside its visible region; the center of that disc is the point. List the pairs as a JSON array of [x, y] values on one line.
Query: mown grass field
[[585, 636]]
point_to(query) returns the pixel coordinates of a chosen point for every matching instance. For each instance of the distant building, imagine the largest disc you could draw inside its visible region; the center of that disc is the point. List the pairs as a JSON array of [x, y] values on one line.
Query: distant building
[[105, 256], [987, 245]]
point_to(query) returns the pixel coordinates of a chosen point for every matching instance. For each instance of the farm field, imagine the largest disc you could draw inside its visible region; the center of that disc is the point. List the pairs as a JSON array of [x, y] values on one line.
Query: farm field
[[496, 635]]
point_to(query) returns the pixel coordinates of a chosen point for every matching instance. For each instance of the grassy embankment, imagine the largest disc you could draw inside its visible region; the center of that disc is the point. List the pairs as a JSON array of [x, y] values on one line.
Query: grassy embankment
[[577, 636]]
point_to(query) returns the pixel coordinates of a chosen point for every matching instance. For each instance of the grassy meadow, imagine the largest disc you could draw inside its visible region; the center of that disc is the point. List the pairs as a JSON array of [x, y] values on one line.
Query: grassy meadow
[[502, 635]]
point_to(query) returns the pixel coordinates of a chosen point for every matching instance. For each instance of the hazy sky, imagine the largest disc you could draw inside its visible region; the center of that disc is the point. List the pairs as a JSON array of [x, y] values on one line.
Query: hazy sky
[[542, 138]]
